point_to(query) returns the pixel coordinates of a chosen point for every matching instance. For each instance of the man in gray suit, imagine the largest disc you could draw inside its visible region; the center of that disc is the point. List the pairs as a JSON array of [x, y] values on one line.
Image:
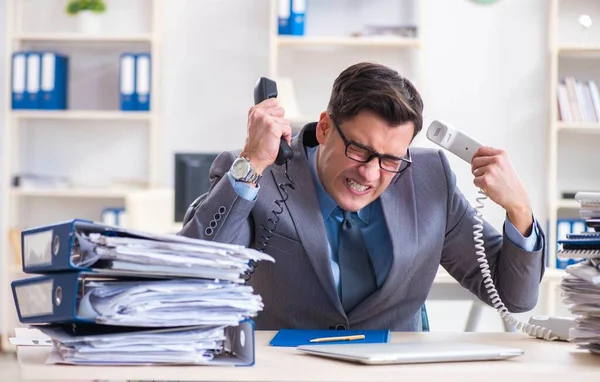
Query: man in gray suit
[[362, 232]]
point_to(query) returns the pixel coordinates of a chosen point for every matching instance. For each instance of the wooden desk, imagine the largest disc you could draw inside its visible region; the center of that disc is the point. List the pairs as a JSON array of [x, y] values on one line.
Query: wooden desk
[[543, 360]]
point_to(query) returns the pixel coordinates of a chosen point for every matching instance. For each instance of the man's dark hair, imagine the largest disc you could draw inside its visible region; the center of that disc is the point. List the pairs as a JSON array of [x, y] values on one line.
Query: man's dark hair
[[379, 89]]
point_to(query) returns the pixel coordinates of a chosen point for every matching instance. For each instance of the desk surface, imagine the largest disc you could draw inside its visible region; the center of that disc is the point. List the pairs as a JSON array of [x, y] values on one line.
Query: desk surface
[[554, 361]]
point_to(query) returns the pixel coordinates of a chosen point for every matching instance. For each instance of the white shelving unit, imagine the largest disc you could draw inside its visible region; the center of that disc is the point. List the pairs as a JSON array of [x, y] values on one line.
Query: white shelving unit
[[571, 51], [147, 207], [360, 48]]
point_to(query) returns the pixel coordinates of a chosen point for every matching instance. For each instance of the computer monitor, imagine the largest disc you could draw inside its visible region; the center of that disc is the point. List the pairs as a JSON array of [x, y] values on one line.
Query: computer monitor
[[191, 179]]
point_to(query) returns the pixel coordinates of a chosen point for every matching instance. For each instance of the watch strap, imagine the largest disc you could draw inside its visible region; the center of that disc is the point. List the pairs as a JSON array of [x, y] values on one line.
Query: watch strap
[[252, 176]]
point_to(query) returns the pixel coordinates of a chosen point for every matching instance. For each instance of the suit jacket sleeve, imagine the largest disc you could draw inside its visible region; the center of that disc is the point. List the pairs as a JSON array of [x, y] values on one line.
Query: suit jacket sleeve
[[516, 273], [223, 215]]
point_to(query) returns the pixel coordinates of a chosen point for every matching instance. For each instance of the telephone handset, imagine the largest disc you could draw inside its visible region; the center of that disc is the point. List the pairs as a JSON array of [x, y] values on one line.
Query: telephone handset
[[266, 88], [464, 147]]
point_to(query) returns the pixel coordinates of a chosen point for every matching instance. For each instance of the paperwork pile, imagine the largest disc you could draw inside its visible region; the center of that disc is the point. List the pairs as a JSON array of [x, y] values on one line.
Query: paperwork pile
[[113, 296], [581, 285]]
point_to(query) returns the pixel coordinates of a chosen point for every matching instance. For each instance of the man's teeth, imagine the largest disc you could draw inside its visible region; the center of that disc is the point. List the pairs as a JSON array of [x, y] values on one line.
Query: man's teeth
[[355, 186]]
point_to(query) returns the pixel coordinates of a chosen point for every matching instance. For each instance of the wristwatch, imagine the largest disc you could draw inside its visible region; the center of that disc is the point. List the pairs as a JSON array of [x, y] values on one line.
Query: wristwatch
[[242, 170]]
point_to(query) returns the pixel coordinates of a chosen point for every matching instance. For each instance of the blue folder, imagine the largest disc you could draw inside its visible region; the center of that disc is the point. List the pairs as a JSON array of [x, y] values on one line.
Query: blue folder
[[54, 81], [127, 85], [297, 337], [52, 298]]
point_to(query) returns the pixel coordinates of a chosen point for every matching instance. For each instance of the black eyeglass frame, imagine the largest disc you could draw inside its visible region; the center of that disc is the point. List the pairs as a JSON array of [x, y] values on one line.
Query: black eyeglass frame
[[407, 160]]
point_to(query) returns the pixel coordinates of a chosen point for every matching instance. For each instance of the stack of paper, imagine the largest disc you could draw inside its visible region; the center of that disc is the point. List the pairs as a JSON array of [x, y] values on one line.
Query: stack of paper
[[168, 303], [187, 345], [182, 257], [113, 296], [581, 285], [582, 294]]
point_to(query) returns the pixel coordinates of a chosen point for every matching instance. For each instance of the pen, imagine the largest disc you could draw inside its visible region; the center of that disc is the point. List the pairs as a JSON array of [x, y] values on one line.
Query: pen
[[341, 338]]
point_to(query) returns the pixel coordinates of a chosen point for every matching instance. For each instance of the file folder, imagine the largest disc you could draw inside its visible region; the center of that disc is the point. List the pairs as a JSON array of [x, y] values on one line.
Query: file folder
[[283, 17], [51, 298], [18, 74], [297, 337], [238, 347], [54, 84], [32, 87], [81, 245], [143, 73], [297, 17], [127, 85]]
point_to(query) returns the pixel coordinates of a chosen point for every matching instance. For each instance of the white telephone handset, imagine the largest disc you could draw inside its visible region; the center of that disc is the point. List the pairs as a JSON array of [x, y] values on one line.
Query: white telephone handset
[[465, 147]]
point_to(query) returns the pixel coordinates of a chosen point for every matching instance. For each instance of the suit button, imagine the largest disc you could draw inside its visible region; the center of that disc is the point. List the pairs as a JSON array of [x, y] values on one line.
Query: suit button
[[338, 327]]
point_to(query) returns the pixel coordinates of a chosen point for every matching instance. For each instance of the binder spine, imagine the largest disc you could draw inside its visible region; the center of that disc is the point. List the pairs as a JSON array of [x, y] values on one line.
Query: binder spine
[[18, 78], [48, 249], [297, 16], [32, 88], [47, 299], [283, 16], [143, 72], [127, 83], [54, 82]]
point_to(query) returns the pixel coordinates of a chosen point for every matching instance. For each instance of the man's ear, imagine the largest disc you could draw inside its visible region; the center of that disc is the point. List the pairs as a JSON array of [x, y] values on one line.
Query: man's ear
[[323, 127]]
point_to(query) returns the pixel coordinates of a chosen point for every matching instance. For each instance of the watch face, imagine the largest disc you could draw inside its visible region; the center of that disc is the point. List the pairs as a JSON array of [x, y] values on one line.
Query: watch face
[[240, 168]]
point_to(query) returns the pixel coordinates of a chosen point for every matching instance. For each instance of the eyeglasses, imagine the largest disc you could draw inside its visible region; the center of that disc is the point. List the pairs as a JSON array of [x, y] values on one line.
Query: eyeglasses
[[363, 154]]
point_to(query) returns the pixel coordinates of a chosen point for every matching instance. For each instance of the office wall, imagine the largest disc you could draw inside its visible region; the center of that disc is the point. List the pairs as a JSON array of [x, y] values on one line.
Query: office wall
[[483, 69]]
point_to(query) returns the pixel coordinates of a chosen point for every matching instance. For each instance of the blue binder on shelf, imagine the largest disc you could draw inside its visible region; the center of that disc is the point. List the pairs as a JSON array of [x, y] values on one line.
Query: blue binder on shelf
[[19, 80], [127, 85], [297, 16], [283, 17], [54, 81], [32, 87], [297, 337], [143, 83]]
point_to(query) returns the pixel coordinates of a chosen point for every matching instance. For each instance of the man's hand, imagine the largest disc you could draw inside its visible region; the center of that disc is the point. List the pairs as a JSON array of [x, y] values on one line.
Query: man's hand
[[496, 176], [266, 126]]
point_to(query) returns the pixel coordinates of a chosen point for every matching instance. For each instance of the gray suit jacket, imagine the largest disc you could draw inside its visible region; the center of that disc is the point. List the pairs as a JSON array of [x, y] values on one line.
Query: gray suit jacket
[[430, 224]]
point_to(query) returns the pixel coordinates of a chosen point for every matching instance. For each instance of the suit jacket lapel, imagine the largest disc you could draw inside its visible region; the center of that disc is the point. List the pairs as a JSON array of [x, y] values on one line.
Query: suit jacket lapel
[[304, 210], [400, 213]]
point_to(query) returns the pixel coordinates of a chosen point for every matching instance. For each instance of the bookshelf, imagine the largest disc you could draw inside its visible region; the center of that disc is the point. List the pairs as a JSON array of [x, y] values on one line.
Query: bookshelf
[[293, 60], [574, 122], [93, 130]]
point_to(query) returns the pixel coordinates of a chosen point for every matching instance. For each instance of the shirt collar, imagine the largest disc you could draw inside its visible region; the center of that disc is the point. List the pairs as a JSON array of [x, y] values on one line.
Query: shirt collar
[[326, 203]]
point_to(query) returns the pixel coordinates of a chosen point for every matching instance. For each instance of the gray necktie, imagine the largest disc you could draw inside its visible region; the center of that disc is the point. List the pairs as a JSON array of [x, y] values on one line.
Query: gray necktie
[[357, 278]]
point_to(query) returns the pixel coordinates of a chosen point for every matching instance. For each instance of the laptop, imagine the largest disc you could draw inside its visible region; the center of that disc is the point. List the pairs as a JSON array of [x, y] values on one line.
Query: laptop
[[411, 352]]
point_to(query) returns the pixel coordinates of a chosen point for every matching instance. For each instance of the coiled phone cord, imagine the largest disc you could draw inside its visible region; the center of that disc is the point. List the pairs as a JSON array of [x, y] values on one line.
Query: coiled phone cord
[[272, 221], [532, 330]]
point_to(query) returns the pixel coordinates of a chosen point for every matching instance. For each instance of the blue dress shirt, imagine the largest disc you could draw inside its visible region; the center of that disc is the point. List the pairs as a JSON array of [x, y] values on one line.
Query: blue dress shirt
[[375, 233]]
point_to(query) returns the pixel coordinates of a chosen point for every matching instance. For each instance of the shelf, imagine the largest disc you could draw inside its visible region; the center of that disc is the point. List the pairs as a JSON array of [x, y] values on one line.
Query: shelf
[[76, 37], [349, 41], [91, 115], [91, 193], [579, 127], [575, 49], [568, 203]]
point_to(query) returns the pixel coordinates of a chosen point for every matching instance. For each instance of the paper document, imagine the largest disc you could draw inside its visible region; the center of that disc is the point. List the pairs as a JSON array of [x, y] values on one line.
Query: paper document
[[168, 303], [581, 291], [30, 337], [187, 258], [186, 345]]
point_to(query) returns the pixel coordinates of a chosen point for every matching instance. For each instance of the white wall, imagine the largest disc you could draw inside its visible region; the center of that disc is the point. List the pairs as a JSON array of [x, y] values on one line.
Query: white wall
[[484, 69]]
